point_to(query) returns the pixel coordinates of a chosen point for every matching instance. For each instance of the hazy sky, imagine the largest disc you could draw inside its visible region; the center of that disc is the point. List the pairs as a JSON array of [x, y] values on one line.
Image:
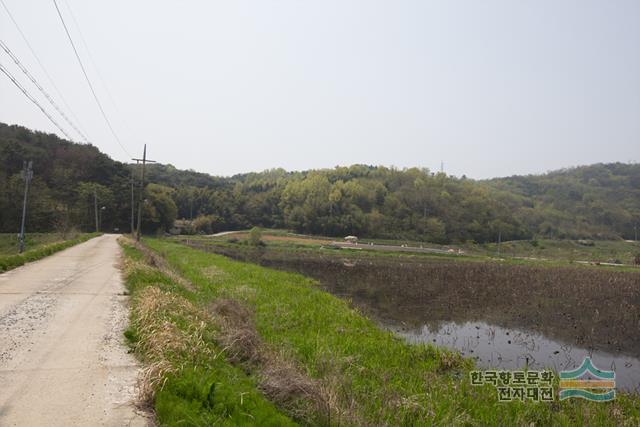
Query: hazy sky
[[491, 88]]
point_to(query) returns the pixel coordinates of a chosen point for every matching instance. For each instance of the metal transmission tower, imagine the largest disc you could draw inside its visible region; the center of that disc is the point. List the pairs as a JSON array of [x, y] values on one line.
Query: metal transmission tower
[[144, 161], [27, 175]]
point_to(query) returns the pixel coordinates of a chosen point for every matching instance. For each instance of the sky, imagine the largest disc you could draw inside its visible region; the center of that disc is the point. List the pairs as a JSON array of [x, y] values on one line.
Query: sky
[[488, 88]]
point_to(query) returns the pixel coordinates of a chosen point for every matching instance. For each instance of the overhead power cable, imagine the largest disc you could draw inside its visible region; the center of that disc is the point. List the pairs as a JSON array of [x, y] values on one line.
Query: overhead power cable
[[97, 70], [86, 76], [41, 89], [32, 99], [44, 70]]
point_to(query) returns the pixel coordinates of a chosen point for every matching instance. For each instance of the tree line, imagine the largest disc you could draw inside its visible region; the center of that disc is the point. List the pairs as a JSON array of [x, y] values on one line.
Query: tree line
[[599, 201]]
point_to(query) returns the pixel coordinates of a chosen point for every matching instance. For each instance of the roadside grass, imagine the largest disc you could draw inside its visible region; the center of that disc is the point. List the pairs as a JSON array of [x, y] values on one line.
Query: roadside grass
[[42, 249], [9, 241], [187, 378], [368, 376]]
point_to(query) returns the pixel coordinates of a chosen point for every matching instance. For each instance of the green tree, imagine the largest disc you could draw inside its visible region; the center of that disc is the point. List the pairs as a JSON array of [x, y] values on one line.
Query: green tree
[[160, 211]]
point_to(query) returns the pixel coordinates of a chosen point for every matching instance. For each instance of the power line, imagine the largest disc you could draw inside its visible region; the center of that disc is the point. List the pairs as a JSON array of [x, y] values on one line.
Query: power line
[[44, 70], [40, 88], [32, 99], [86, 76], [95, 67]]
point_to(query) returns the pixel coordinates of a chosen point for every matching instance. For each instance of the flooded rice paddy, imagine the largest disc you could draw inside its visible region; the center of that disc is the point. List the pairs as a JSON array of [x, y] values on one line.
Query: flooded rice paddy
[[504, 316], [504, 348]]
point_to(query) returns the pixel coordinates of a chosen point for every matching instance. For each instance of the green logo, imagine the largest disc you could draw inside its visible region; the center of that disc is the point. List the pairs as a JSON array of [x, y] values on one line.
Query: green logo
[[597, 386]]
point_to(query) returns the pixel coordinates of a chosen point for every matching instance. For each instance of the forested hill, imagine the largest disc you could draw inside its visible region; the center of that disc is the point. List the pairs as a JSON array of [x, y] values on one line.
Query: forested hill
[[598, 201], [601, 200], [64, 179]]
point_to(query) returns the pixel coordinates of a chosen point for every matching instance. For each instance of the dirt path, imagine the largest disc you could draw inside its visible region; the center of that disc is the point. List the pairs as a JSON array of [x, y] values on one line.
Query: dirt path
[[62, 354]]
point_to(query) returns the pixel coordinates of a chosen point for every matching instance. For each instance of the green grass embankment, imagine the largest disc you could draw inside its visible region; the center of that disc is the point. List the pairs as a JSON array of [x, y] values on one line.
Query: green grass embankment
[[357, 373], [188, 377]]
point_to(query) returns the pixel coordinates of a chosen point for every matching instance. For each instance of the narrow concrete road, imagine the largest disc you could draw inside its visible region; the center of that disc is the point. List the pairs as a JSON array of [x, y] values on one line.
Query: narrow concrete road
[[63, 361]]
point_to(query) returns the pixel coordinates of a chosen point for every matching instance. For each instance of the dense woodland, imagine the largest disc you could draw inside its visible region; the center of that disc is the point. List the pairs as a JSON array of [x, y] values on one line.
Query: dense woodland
[[600, 201]]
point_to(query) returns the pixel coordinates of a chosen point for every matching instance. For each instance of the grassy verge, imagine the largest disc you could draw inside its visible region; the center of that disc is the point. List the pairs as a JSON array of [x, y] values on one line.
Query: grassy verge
[[363, 375], [9, 241], [188, 378], [8, 262]]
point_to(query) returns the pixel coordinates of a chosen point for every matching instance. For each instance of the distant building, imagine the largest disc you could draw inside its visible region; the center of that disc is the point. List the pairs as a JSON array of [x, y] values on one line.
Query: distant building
[[351, 239]]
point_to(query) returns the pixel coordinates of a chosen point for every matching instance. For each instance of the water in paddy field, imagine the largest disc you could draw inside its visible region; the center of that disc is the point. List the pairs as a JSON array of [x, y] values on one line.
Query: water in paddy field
[[494, 347], [504, 316]]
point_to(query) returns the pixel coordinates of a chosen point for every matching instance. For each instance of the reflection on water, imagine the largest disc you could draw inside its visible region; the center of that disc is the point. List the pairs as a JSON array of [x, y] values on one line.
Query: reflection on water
[[501, 348]]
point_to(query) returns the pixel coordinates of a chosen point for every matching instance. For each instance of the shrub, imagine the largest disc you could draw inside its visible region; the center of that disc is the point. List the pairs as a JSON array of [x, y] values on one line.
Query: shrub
[[255, 237], [205, 224]]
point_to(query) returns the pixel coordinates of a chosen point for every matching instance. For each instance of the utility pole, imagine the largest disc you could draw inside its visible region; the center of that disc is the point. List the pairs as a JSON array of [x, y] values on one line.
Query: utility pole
[[499, 241], [132, 203], [95, 208], [144, 162], [102, 209], [27, 175], [635, 230]]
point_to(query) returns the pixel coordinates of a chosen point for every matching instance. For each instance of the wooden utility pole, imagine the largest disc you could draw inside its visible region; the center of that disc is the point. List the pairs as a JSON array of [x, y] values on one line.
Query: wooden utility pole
[[27, 175], [95, 208], [102, 209], [144, 162], [132, 203]]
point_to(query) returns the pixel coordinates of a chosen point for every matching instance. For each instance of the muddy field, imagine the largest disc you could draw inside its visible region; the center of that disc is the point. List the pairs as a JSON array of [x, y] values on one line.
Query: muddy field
[[586, 307]]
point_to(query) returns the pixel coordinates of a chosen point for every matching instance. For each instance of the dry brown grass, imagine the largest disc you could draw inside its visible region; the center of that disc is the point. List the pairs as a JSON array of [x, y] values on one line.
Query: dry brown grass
[[239, 336], [280, 378], [156, 261], [448, 360], [151, 379], [160, 340]]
